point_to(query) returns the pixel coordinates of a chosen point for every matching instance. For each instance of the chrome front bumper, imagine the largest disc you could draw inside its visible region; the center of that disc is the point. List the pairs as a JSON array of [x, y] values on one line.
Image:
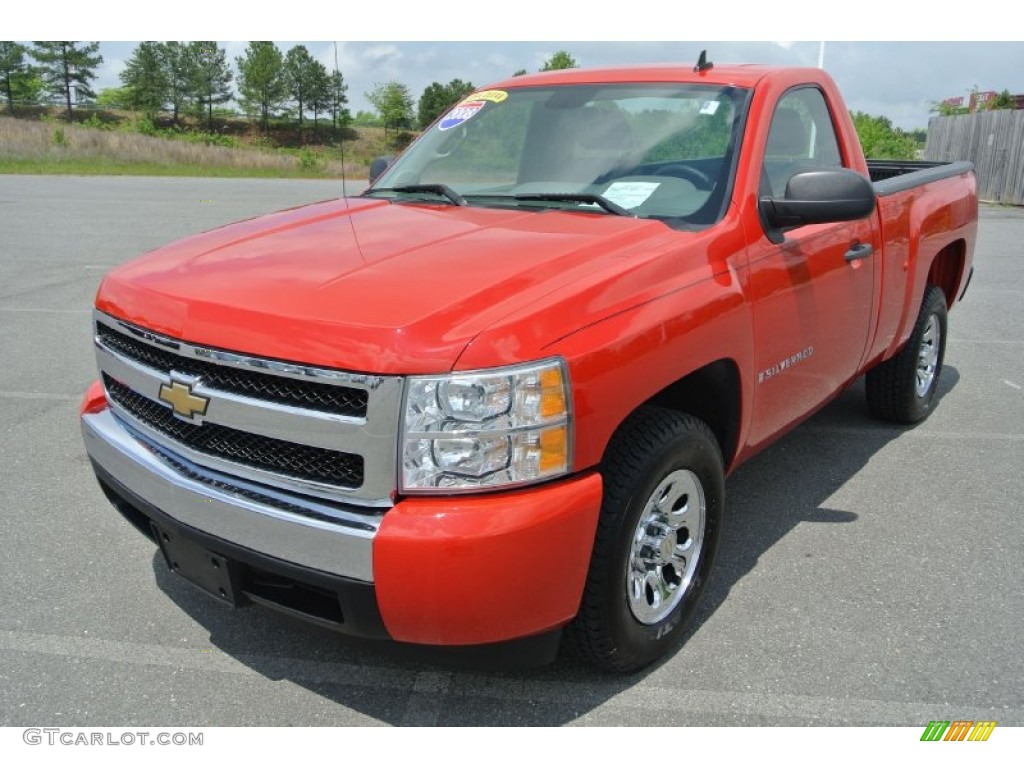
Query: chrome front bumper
[[333, 538]]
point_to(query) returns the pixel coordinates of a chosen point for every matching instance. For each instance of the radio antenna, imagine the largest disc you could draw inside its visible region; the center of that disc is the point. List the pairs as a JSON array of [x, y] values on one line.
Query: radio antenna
[[337, 107], [344, 191], [703, 64]]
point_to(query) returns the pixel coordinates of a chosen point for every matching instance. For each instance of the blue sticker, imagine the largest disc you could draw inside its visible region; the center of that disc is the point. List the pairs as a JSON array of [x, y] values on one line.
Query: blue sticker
[[461, 114]]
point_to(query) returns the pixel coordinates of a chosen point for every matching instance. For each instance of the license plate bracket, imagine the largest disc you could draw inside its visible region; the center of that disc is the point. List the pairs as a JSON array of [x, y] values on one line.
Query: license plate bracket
[[212, 573]]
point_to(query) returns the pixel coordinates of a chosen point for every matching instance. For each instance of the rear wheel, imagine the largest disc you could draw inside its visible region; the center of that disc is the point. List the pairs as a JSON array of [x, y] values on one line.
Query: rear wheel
[[656, 539], [902, 389]]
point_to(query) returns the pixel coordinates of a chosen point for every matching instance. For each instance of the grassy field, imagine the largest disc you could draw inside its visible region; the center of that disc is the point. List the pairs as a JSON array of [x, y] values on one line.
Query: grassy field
[[49, 147]]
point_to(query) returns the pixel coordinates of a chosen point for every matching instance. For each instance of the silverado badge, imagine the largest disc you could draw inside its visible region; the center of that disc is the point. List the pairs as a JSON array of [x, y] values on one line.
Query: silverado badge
[[178, 394]]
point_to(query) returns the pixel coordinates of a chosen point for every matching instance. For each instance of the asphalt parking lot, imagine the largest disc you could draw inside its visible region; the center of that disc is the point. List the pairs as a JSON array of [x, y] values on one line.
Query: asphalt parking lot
[[868, 575]]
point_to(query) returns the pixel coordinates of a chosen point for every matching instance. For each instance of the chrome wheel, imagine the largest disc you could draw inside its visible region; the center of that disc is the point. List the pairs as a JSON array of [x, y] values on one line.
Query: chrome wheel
[[660, 521], [666, 547], [928, 355]]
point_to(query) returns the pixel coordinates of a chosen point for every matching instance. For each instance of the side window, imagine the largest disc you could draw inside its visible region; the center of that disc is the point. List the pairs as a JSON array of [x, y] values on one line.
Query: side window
[[801, 138]]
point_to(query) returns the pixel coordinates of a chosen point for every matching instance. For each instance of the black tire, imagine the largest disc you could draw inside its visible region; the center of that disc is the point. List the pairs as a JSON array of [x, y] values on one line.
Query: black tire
[[902, 388], [655, 450]]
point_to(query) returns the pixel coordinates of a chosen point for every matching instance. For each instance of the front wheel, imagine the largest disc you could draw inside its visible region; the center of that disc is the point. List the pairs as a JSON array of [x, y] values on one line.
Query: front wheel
[[660, 520], [902, 389]]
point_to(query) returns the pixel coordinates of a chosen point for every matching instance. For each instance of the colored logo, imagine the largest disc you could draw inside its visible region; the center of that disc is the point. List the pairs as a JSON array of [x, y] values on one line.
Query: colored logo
[[461, 114], [958, 730], [178, 395]]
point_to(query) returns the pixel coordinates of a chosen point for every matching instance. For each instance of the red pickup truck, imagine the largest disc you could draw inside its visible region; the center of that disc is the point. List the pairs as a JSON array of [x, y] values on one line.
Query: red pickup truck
[[494, 398]]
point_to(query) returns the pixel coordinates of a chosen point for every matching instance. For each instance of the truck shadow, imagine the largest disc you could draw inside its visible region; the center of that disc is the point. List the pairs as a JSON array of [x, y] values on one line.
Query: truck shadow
[[785, 486]]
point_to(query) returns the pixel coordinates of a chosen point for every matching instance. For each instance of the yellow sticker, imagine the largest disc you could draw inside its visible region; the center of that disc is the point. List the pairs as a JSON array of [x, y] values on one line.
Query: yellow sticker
[[496, 96]]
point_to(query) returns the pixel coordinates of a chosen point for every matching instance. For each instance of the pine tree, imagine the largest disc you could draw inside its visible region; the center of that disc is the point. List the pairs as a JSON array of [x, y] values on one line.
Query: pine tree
[[65, 64], [12, 66], [261, 79], [211, 79], [299, 71], [179, 73], [319, 92], [145, 74], [339, 98]]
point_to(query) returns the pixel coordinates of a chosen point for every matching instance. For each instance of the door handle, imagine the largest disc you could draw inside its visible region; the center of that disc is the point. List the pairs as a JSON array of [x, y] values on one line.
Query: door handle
[[859, 251]]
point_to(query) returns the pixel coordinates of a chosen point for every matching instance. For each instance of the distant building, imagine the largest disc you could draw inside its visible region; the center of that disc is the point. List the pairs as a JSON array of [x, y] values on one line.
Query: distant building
[[979, 101]]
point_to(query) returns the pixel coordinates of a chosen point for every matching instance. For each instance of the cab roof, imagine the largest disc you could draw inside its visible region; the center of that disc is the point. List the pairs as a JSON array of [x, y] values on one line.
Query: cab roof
[[740, 75]]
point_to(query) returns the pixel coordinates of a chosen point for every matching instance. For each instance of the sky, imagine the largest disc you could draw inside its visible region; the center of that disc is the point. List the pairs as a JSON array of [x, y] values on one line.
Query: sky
[[900, 80], [927, 58]]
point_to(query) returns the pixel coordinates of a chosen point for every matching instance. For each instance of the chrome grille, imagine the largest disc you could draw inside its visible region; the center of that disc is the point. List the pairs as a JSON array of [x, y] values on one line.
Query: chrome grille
[[344, 401], [309, 507], [265, 453], [299, 429]]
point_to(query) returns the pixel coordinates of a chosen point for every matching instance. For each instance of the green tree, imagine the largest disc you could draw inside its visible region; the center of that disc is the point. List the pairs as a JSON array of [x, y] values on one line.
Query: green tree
[[12, 67], [261, 80], [945, 109], [320, 98], [393, 103], [366, 117], [560, 60], [437, 98], [339, 98], [65, 65], [1003, 100], [300, 72], [211, 81], [28, 87], [115, 98], [519, 72], [180, 73], [145, 74], [949, 107], [880, 140]]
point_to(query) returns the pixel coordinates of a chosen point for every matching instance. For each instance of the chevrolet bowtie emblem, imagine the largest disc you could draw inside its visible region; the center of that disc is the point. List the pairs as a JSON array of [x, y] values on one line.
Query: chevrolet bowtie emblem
[[179, 396]]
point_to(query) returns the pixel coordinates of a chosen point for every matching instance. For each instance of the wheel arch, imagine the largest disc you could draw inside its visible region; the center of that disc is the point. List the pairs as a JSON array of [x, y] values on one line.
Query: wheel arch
[[947, 269], [712, 394]]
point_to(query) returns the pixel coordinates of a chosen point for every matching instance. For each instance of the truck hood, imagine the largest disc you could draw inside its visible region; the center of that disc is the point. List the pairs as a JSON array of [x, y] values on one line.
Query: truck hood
[[369, 285]]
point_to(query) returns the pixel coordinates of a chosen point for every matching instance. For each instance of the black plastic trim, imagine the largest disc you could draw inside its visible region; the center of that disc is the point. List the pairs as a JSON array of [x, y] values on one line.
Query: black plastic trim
[[357, 599], [916, 178], [970, 276]]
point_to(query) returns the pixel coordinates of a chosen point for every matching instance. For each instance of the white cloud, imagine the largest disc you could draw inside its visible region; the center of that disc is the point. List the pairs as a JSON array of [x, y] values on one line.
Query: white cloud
[[897, 79]]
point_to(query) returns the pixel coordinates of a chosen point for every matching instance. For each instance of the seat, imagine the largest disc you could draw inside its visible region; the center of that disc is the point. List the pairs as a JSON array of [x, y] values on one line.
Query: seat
[[592, 141]]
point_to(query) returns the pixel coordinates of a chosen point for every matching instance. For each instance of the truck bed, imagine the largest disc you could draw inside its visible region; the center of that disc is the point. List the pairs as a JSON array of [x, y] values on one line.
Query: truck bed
[[891, 176]]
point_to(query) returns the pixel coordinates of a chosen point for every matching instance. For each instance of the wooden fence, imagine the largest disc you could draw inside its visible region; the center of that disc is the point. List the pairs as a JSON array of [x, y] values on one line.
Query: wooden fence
[[993, 141]]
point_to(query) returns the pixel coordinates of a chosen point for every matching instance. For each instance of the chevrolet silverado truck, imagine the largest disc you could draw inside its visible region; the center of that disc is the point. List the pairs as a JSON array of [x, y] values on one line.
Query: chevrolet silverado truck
[[493, 399]]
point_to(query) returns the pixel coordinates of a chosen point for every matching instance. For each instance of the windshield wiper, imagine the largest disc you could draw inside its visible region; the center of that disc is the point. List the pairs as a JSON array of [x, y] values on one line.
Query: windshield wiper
[[438, 189], [576, 197]]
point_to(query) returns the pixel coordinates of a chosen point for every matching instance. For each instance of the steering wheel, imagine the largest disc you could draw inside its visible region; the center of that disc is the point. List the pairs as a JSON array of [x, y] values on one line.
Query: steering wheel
[[682, 171]]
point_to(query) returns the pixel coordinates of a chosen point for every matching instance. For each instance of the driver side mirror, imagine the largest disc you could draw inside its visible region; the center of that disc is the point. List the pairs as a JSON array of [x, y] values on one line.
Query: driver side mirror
[[378, 165], [817, 197]]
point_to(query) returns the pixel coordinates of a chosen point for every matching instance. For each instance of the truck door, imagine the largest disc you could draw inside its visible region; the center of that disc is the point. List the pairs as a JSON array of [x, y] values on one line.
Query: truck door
[[812, 293]]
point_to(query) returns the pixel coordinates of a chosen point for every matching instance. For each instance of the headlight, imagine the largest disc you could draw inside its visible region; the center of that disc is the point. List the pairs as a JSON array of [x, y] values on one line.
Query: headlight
[[486, 430]]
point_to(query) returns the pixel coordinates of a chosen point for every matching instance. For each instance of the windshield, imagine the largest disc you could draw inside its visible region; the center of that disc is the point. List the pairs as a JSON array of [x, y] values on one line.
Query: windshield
[[660, 151]]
